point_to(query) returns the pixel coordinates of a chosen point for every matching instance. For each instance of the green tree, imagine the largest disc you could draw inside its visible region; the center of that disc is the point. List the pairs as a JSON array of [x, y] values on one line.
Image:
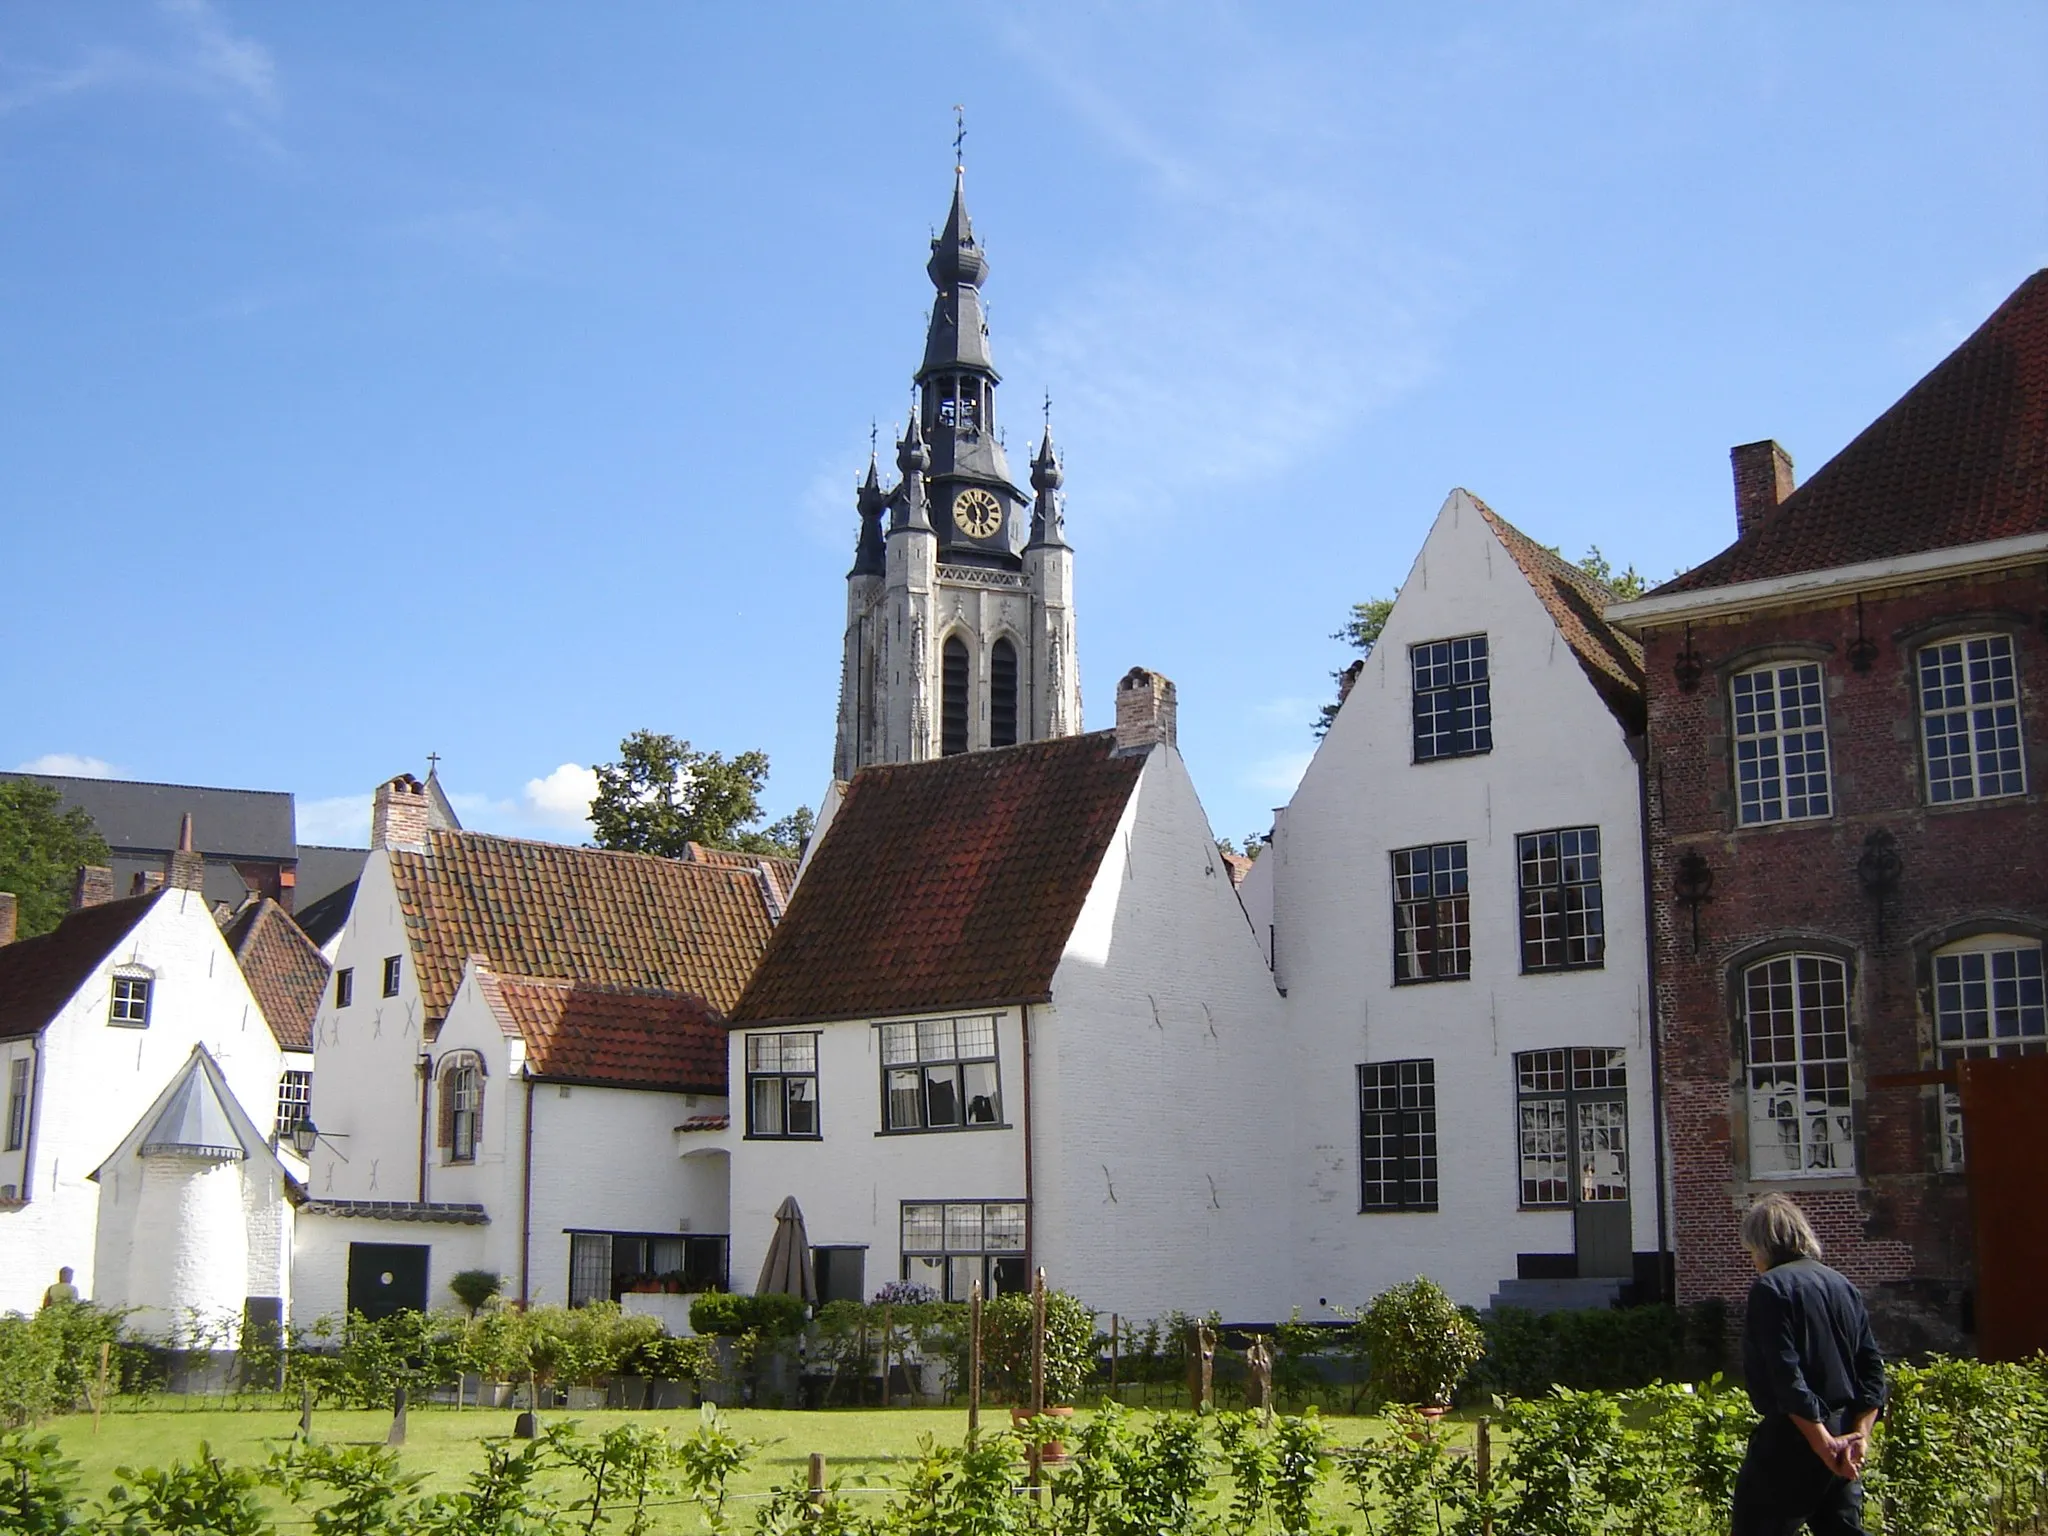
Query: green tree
[[663, 794], [1624, 584], [1361, 632], [41, 848]]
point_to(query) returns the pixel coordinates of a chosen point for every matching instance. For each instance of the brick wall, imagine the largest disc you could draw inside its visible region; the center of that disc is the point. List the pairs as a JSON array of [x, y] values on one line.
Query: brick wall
[[1902, 1225]]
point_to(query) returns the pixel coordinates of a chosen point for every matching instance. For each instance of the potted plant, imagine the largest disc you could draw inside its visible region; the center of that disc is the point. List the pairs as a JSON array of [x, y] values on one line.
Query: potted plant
[[1069, 1354], [1420, 1343]]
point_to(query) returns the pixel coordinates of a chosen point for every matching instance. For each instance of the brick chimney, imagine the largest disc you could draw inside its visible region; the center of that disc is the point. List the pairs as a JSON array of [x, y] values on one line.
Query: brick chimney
[[398, 817], [1348, 679], [1145, 711], [7, 917], [1763, 479], [186, 868], [93, 887], [146, 882]]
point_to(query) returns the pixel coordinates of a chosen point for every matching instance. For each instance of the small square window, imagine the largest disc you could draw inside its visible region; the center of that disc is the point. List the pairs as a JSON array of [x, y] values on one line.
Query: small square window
[[131, 1002], [391, 975], [344, 986], [782, 1085]]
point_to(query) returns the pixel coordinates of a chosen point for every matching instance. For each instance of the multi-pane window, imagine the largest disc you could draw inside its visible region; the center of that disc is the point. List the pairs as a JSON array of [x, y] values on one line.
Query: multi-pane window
[[17, 1103], [1988, 1001], [940, 1074], [344, 986], [1397, 1136], [462, 1103], [1797, 1024], [1432, 914], [391, 975], [1563, 926], [954, 1245], [604, 1266], [294, 1102], [131, 1001], [782, 1084], [953, 712], [1453, 698], [1572, 1125], [1781, 743], [1970, 719]]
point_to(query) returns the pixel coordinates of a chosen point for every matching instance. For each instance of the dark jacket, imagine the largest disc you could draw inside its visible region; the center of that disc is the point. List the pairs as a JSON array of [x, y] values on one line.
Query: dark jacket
[[1807, 1348]]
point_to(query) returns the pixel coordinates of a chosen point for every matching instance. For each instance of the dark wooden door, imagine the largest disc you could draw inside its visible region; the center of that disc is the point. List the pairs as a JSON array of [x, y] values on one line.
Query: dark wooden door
[[2005, 1135], [384, 1278]]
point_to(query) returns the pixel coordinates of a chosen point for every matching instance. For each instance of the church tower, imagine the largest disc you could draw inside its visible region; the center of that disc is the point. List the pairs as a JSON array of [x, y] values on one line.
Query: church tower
[[960, 605]]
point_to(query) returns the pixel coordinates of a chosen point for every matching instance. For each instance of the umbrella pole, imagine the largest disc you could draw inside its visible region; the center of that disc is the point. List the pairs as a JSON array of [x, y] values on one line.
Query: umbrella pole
[[973, 1362]]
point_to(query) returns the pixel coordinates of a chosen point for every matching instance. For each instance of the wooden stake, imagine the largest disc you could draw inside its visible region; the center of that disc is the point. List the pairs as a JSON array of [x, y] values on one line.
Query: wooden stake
[[1482, 1464], [305, 1410], [973, 1362], [887, 1339], [100, 1397], [817, 1494]]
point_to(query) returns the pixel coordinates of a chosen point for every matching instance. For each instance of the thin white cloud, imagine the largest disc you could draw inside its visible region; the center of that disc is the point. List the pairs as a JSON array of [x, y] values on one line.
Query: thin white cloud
[[341, 821], [562, 798], [228, 62], [1281, 772], [70, 764]]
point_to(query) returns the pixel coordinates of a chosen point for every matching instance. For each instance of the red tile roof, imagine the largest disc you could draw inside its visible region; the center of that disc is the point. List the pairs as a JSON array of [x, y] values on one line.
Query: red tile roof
[[577, 914], [778, 871], [952, 883], [613, 1036], [1611, 660], [285, 971], [39, 976], [1961, 459]]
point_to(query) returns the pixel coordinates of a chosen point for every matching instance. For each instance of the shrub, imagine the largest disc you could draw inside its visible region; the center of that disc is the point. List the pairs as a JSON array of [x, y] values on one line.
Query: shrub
[[474, 1288], [1614, 1349], [771, 1314], [1421, 1343], [1069, 1345]]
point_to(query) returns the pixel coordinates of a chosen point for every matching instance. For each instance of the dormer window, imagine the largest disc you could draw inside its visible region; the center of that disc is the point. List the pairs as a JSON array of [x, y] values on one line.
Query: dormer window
[[132, 989]]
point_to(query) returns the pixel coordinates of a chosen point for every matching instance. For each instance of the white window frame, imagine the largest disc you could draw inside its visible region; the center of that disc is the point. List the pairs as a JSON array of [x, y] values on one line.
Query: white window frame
[[131, 996], [1811, 1092], [1768, 787], [294, 1100], [1989, 1002], [345, 986], [1974, 691]]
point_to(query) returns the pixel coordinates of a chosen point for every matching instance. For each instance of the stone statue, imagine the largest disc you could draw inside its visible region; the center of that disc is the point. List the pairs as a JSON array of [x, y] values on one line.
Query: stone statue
[[1258, 1374], [1202, 1367]]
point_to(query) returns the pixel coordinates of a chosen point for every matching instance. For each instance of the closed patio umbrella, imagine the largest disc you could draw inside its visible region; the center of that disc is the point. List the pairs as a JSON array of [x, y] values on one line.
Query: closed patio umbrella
[[788, 1266]]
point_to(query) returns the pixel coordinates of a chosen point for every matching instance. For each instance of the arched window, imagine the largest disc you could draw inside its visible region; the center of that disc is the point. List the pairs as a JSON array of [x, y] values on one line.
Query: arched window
[[462, 1106], [1796, 1027], [953, 677], [1988, 1001], [1002, 694]]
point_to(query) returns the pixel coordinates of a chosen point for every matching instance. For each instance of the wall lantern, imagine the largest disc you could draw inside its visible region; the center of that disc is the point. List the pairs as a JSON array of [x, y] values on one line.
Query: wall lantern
[[1863, 649], [306, 1135], [1688, 666], [1694, 885]]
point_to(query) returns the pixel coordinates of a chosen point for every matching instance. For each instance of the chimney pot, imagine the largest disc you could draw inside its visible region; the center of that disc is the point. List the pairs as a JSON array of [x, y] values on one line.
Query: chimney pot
[[399, 815], [1348, 679], [1146, 711], [8, 917], [1763, 479], [185, 870], [93, 887]]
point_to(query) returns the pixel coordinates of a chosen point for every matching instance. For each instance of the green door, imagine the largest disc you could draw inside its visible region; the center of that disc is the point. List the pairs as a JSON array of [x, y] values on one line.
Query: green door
[[1600, 1207]]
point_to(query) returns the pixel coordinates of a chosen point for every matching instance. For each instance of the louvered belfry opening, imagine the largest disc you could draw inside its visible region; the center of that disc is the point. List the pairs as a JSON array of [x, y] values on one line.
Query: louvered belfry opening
[[953, 697], [1002, 694]]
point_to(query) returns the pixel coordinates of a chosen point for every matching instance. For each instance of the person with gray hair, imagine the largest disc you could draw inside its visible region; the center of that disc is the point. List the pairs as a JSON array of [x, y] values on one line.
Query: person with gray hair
[[1811, 1364]]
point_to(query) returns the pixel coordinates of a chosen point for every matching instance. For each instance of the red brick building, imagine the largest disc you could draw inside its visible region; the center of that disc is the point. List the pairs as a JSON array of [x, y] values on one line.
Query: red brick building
[[1848, 731]]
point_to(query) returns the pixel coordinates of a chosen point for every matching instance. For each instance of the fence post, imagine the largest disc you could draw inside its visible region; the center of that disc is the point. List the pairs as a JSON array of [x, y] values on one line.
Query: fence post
[[973, 1362], [887, 1336], [305, 1410], [1037, 1383], [1482, 1465], [817, 1493], [1115, 1328]]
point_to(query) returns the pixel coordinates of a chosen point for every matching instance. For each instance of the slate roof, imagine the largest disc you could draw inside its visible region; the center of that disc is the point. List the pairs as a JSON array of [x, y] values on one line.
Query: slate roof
[[284, 968], [617, 1037], [143, 818], [328, 916], [1962, 458], [323, 870], [1612, 661], [951, 883], [39, 976], [550, 911]]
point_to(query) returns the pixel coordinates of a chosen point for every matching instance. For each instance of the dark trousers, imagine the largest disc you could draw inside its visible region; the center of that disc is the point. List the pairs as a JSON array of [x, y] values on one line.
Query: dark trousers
[[1783, 1486]]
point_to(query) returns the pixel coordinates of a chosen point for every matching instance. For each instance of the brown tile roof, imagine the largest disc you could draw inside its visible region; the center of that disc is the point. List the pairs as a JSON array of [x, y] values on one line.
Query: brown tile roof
[[39, 976], [779, 872], [1962, 458], [1236, 863], [577, 914], [285, 971], [616, 1036], [1612, 661], [944, 884], [706, 1123]]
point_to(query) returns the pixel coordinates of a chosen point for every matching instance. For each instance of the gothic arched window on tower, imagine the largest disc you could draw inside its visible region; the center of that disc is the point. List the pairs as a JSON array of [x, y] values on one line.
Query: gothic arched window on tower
[[953, 697], [1002, 694]]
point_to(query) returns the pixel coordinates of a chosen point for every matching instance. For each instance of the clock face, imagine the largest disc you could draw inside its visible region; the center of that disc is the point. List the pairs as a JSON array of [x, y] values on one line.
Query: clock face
[[978, 513]]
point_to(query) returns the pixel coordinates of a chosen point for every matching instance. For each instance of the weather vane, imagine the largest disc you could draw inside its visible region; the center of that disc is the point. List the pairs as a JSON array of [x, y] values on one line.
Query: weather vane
[[873, 428], [1048, 410], [959, 134]]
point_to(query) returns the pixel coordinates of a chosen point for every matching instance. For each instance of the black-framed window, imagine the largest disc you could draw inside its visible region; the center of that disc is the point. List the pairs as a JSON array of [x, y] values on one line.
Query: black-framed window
[[1397, 1136], [1432, 914], [1002, 694], [294, 1101], [1796, 1028], [952, 1245], [1989, 1001], [344, 986], [391, 971], [1569, 1127], [17, 1103], [953, 681], [940, 1074], [1563, 922], [782, 1084], [1970, 719], [1781, 743], [603, 1266], [130, 1007], [1453, 698]]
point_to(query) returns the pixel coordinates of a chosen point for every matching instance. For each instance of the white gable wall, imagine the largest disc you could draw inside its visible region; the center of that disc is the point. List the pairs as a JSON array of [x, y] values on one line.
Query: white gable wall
[[1559, 759]]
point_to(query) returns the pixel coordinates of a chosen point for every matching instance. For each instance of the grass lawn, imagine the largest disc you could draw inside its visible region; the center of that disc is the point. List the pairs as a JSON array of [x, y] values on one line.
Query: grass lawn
[[873, 1443]]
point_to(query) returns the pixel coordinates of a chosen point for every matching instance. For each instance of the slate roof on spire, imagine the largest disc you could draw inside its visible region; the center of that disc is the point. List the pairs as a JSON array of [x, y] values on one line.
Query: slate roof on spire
[[192, 1120], [1962, 458], [956, 255]]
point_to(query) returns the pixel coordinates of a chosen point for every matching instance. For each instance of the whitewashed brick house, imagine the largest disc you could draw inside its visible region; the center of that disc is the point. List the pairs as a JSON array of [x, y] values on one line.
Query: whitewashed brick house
[[1015, 1017], [1453, 903]]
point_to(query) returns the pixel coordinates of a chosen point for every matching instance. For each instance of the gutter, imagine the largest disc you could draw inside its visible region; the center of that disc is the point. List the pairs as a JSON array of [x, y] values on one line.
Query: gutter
[[1030, 1201], [526, 1200], [1658, 1149]]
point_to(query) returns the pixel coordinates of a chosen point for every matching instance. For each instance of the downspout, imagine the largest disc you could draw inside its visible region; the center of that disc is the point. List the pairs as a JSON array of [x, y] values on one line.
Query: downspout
[[526, 1200], [426, 1072], [1030, 1204], [1664, 1252], [35, 1118]]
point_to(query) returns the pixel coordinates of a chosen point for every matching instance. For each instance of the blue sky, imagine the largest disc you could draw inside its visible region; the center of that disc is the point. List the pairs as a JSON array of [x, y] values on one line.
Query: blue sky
[[492, 380]]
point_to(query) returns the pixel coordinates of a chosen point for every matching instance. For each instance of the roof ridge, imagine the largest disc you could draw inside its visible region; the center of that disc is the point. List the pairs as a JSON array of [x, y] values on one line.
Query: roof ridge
[[582, 848], [103, 778]]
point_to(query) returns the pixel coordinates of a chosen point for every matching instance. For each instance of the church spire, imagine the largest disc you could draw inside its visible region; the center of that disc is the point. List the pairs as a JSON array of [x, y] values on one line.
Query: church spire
[[1048, 515], [872, 501], [913, 458]]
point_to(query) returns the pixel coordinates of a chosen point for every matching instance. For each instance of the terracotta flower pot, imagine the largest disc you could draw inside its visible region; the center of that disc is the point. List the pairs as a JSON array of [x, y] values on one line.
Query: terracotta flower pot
[[1052, 1452]]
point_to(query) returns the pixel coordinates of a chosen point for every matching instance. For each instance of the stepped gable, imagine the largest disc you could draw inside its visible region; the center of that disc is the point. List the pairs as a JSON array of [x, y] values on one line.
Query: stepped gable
[[948, 883], [284, 969], [616, 1037], [577, 914], [1612, 661], [39, 976], [1962, 458]]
